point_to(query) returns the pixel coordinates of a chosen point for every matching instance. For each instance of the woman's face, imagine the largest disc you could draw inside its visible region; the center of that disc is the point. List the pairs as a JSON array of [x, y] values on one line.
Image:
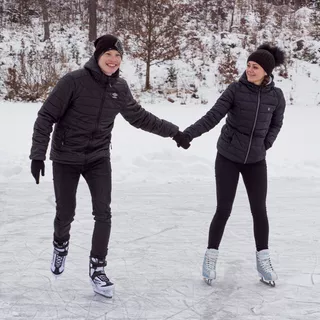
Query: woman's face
[[109, 62], [255, 73]]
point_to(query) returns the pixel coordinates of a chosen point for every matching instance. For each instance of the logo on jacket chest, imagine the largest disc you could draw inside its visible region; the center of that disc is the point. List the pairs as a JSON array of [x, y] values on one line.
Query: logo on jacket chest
[[114, 95]]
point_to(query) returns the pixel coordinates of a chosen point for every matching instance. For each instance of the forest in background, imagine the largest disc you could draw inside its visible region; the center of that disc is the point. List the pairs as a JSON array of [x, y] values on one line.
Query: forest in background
[[198, 33]]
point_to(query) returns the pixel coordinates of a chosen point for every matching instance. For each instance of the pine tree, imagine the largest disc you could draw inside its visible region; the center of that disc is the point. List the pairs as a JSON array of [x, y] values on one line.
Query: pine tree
[[228, 71], [172, 77]]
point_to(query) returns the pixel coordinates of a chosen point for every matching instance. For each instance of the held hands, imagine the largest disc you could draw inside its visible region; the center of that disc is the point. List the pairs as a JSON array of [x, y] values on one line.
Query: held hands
[[182, 140], [36, 167]]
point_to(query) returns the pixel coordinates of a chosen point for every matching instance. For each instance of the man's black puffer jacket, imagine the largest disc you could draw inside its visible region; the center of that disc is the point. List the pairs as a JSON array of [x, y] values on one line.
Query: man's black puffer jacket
[[83, 106], [254, 119]]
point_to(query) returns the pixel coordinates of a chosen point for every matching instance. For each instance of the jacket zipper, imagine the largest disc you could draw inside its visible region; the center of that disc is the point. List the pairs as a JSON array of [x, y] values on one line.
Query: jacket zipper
[[98, 119], [253, 127]]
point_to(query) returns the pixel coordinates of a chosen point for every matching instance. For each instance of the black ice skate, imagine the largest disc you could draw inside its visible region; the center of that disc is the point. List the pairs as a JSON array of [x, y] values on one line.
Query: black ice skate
[[60, 252], [99, 281]]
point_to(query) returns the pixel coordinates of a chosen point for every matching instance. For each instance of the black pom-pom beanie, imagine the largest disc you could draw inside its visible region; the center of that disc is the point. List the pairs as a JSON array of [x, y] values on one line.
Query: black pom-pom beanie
[[267, 57]]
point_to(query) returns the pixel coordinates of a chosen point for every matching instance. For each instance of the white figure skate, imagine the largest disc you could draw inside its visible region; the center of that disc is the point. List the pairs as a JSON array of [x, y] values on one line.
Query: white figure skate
[[265, 269], [209, 265]]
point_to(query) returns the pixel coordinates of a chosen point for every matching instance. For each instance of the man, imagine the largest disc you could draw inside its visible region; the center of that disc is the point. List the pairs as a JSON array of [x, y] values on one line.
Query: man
[[83, 106]]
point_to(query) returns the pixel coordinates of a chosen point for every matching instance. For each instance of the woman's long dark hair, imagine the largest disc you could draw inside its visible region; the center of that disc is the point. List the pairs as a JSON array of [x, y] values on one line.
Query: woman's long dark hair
[[265, 81]]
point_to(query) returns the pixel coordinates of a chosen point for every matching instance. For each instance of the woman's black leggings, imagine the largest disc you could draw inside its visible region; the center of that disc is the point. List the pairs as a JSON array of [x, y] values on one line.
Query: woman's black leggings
[[255, 179]]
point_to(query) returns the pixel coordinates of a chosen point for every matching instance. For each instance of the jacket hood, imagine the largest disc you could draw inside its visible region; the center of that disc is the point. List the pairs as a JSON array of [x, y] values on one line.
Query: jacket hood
[[97, 73], [243, 79]]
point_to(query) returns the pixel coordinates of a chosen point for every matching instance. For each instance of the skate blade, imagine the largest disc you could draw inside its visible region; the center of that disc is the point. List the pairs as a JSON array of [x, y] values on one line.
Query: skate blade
[[106, 292], [56, 276], [208, 281], [268, 282]]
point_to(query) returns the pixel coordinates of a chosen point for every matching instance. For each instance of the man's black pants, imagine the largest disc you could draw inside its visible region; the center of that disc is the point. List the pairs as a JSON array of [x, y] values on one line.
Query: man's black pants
[[98, 177]]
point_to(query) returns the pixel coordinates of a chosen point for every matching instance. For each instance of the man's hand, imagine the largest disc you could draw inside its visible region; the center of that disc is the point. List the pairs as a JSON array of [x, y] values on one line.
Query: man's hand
[[36, 167], [182, 140]]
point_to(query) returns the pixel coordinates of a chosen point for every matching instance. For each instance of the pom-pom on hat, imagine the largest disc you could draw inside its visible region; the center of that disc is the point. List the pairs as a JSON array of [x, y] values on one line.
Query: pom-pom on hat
[[106, 43], [267, 57]]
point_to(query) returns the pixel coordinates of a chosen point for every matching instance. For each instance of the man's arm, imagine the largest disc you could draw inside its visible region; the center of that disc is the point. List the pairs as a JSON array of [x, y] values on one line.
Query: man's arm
[[51, 111], [142, 119]]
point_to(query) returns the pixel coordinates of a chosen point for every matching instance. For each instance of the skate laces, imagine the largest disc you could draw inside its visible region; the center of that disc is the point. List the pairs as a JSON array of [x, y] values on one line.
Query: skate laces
[[266, 265], [60, 253], [101, 275], [210, 261], [58, 260], [97, 269]]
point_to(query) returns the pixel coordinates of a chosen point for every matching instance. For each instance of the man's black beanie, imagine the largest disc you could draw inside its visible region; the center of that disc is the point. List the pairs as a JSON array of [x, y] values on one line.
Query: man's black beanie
[[106, 43]]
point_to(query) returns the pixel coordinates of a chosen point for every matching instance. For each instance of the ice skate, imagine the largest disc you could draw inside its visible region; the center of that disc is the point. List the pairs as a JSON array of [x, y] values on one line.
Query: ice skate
[[265, 269], [99, 281], [60, 252], [209, 265]]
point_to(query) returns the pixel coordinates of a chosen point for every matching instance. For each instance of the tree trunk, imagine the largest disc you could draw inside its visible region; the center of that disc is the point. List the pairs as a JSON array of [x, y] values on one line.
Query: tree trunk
[[92, 20], [80, 10], [148, 86], [1, 13], [149, 27], [232, 16], [45, 17]]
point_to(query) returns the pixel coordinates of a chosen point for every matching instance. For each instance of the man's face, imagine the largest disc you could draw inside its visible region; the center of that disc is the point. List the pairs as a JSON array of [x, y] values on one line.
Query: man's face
[[109, 62]]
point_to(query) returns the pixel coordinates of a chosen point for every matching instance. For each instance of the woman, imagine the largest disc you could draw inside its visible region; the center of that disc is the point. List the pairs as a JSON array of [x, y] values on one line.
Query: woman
[[254, 109], [83, 107]]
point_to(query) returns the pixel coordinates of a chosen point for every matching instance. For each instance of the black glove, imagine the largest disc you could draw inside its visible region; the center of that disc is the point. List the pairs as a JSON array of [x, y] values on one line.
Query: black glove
[[36, 167], [182, 140]]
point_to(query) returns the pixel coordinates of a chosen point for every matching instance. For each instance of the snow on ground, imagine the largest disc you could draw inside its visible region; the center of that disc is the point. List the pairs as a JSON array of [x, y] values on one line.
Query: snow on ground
[[163, 202]]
